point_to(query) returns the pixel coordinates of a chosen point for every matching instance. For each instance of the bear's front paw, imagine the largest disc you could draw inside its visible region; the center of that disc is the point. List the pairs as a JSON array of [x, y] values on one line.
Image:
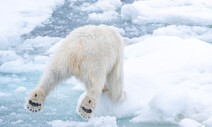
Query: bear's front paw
[[87, 107], [35, 101]]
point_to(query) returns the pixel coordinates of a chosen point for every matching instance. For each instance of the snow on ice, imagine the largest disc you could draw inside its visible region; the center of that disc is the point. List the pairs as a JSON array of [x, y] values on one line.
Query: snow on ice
[[167, 80], [168, 73], [20, 17], [95, 122], [103, 10], [188, 12]]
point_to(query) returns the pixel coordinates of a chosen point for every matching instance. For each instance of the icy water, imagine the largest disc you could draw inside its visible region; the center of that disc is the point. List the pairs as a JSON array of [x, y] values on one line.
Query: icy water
[[70, 16], [60, 105], [12, 104]]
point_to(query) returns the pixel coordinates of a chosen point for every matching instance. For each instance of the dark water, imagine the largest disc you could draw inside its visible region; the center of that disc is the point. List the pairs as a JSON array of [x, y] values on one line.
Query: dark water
[[69, 16]]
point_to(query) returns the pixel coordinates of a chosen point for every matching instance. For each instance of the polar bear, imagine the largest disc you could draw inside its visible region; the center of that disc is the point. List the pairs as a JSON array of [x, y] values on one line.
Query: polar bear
[[94, 55]]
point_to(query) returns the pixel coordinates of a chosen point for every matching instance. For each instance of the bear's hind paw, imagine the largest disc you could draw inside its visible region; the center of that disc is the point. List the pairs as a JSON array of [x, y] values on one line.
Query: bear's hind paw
[[87, 107]]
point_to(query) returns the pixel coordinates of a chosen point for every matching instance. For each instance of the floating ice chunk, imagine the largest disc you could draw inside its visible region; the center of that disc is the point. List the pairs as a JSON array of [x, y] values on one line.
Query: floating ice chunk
[[4, 94], [104, 16], [190, 123], [129, 12], [183, 31], [169, 12], [104, 5], [179, 69], [38, 45], [3, 108], [7, 55], [106, 121], [20, 66], [41, 59], [22, 17], [21, 89], [17, 122], [103, 10]]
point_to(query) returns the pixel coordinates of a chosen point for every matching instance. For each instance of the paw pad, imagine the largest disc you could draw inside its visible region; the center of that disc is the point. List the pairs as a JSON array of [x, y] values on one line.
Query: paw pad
[[35, 101], [86, 110], [87, 107], [33, 106]]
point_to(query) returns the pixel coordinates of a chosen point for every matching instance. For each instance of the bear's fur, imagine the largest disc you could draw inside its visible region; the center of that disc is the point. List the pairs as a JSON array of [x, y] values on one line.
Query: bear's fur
[[94, 55]]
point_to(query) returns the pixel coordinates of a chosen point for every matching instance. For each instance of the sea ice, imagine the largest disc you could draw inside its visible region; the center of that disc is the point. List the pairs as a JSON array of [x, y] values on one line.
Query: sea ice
[[167, 71], [187, 12]]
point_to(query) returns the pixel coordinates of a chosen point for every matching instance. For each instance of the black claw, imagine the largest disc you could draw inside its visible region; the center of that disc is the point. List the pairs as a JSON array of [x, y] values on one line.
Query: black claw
[[38, 109], [30, 109], [86, 110], [35, 110]]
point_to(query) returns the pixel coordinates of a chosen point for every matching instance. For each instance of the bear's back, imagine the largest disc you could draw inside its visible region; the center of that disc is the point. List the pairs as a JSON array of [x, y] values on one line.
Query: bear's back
[[94, 40], [90, 46]]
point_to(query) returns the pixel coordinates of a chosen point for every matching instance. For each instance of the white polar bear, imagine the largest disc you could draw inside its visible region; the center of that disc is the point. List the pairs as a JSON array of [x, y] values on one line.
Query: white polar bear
[[94, 55]]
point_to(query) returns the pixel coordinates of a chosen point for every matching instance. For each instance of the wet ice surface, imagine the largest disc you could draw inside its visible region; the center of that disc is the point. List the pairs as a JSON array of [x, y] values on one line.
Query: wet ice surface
[[167, 75]]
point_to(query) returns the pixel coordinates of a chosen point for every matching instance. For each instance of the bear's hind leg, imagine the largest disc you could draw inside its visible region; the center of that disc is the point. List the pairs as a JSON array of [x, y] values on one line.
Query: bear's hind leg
[[88, 103], [115, 83]]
